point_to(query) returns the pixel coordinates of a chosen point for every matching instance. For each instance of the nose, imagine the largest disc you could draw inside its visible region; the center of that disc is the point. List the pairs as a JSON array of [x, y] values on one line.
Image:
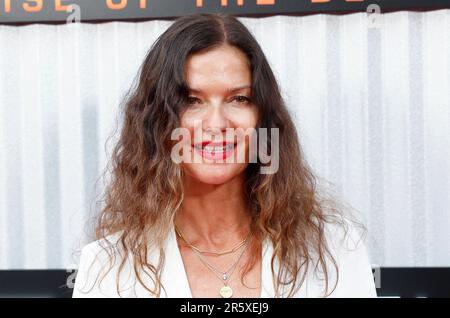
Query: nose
[[215, 120]]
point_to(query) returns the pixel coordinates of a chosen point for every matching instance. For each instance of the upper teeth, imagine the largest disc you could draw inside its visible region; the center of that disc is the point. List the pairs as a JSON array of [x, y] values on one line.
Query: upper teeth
[[216, 149]]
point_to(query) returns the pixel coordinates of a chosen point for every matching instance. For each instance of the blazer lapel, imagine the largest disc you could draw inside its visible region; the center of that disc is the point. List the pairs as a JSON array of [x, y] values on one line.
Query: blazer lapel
[[267, 282], [174, 277], [267, 286]]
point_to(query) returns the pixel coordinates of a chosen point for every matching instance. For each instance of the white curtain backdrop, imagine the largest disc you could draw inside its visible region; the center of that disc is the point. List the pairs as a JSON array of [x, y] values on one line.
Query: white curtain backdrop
[[372, 107]]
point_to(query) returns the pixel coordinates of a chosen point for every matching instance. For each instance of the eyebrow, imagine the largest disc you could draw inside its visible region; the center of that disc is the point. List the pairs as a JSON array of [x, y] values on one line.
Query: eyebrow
[[229, 90]]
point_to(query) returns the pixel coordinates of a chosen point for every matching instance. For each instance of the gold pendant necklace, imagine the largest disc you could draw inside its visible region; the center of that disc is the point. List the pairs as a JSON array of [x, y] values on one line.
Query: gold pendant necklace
[[225, 291]]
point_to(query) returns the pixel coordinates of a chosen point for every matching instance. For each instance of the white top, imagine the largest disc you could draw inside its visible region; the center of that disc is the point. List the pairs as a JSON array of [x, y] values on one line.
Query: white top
[[355, 274]]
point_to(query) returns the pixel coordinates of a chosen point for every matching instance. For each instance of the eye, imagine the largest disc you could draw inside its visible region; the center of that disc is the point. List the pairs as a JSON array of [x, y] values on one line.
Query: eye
[[241, 99], [193, 100]]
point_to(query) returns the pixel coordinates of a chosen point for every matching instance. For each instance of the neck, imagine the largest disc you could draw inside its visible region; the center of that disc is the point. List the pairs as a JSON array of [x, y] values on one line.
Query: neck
[[214, 217]]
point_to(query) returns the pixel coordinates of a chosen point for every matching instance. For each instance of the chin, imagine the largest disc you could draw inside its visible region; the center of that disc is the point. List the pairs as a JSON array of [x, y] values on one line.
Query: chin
[[215, 174]]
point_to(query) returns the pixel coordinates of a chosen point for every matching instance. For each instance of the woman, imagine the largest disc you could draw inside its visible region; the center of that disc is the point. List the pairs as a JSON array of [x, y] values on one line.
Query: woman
[[180, 220]]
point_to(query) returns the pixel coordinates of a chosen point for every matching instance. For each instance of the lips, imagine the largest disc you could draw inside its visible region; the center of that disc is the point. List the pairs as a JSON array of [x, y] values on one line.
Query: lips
[[215, 150]]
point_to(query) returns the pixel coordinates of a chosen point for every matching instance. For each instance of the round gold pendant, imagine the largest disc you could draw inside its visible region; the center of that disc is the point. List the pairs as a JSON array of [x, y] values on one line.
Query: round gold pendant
[[226, 292]]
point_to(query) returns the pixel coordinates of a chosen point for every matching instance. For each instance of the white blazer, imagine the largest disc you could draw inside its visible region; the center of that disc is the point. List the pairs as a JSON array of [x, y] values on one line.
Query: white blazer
[[355, 274]]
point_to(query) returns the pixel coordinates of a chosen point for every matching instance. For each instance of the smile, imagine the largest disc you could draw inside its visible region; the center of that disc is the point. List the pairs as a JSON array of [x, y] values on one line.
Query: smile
[[215, 150]]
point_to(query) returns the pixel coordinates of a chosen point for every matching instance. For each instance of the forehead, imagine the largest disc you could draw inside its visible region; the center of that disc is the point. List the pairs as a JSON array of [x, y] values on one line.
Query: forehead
[[225, 66]]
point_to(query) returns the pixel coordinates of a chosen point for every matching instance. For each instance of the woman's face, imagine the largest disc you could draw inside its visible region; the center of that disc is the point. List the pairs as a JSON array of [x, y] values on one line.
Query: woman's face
[[219, 82]]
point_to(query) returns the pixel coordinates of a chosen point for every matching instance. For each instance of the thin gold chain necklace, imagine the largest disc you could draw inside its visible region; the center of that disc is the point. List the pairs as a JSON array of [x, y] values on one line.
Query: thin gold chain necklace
[[232, 250], [226, 291]]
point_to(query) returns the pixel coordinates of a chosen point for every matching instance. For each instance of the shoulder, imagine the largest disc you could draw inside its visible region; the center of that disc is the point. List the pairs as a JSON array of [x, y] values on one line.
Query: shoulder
[[98, 268], [346, 243], [345, 234], [97, 246]]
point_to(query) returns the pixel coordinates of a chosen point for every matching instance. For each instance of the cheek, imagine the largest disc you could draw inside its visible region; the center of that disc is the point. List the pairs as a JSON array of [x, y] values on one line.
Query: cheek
[[249, 119], [187, 119], [193, 120], [245, 118]]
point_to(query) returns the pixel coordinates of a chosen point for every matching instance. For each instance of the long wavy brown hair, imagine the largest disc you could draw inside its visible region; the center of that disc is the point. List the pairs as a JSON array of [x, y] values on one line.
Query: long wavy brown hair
[[145, 190]]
